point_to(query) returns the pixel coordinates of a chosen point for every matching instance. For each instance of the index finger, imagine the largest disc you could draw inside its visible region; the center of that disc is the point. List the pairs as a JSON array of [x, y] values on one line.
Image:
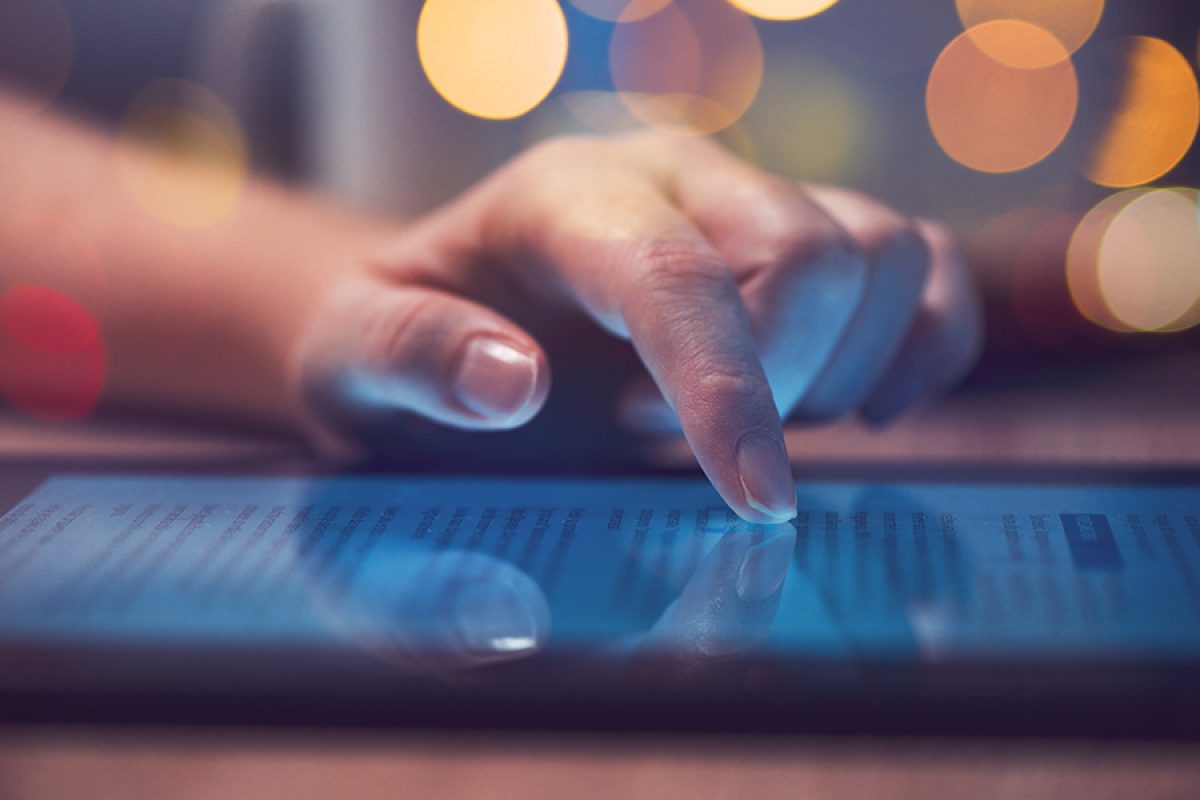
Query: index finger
[[687, 322], [640, 268]]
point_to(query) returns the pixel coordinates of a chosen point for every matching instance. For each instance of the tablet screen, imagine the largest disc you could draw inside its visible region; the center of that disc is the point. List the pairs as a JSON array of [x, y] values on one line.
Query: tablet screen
[[432, 573]]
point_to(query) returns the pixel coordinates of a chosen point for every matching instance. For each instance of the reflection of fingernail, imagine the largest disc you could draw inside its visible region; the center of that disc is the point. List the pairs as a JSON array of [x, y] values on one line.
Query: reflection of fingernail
[[494, 620], [764, 568], [767, 478], [495, 379]]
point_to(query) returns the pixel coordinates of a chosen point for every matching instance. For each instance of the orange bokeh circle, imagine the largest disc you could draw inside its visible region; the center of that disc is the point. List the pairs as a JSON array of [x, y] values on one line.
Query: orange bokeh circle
[[992, 116]]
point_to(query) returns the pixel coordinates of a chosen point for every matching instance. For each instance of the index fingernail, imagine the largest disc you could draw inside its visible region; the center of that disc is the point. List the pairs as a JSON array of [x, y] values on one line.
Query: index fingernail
[[766, 477]]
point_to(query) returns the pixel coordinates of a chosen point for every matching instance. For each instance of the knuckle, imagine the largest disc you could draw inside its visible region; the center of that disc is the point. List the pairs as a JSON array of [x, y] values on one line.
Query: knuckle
[[788, 229], [389, 331], [802, 241], [670, 266], [723, 393]]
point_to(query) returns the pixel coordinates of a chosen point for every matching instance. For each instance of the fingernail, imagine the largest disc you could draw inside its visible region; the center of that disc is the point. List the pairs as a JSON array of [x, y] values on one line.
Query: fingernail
[[495, 379], [494, 620], [764, 568], [767, 478]]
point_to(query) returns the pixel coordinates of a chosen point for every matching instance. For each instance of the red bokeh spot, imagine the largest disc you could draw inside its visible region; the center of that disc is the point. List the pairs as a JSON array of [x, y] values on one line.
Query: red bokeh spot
[[52, 359], [1041, 301]]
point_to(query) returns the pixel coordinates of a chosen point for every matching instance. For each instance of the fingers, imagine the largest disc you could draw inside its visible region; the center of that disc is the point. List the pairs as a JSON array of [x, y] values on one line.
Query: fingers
[[911, 329], [802, 276], [898, 265], [377, 351], [945, 339], [687, 323], [640, 268]]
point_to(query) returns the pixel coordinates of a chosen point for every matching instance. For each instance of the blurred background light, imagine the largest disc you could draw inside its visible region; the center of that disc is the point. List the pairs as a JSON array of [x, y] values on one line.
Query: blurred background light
[[783, 9], [812, 120], [491, 59], [181, 154], [1156, 118], [1001, 115], [36, 47], [78, 268], [52, 358], [1149, 261], [581, 112], [613, 10], [1083, 259], [694, 67], [1072, 22]]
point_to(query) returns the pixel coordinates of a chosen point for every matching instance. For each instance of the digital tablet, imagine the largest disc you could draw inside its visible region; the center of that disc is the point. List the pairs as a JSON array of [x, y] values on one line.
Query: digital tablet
[[943, 605]]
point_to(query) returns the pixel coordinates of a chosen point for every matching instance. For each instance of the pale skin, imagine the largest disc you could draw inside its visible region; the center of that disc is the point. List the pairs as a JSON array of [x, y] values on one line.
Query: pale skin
[[748, 300]]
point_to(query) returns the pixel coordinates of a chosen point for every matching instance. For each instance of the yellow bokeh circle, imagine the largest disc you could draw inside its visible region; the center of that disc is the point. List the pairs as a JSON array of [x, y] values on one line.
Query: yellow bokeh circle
[[1001, 115], [181, 154], [811, 120], [1156, 119], [613, 10], [783, 9], [1149, 261], [489, 58], [1083, 259]]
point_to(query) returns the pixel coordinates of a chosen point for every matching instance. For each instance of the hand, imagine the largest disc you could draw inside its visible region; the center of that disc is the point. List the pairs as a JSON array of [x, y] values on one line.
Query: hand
[[744, 297]]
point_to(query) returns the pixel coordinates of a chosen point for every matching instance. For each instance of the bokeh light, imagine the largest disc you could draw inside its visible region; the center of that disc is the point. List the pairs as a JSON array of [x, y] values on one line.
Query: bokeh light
[[495, 60], [584, 112], [613, 10], [811, 120], [42, 243], [693, 67], [1072, 22], [1083, 259], [52, 358], [36, 48], [783, 9], [1149, 261], [1156, 118], [992, 115], [181, 154]]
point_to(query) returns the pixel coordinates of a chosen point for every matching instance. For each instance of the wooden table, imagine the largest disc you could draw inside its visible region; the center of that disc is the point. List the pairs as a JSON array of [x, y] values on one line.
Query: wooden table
[[99, 765], [1143, 413]]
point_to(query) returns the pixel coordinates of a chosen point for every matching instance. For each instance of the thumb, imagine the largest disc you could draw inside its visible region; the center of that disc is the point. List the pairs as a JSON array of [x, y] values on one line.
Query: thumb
[[374, 351]]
